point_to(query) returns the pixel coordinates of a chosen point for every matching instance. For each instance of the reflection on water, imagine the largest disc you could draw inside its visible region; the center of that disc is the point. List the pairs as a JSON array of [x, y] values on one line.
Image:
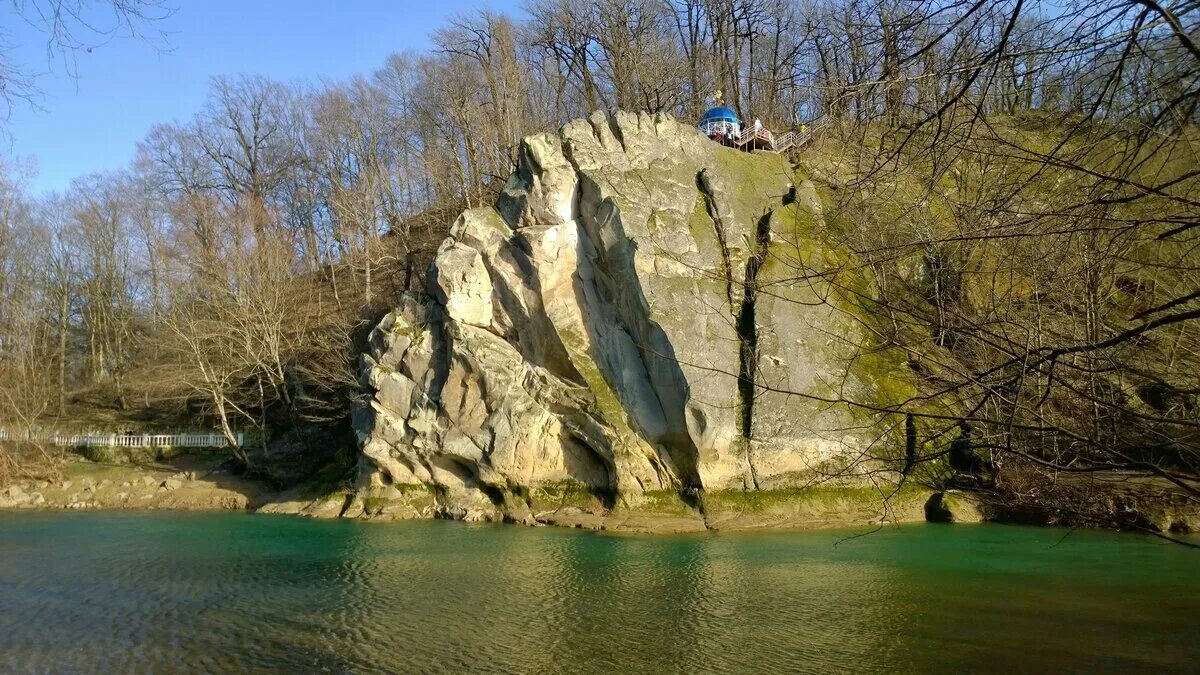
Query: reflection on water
[[104, 592]]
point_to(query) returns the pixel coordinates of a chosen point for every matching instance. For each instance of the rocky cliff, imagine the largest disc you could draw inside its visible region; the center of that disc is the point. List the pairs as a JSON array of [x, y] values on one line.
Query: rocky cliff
[[644, 323]]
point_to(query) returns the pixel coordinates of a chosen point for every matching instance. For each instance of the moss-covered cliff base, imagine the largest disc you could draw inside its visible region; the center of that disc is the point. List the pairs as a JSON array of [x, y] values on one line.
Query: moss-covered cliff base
[[1136, 505], [823, 506]]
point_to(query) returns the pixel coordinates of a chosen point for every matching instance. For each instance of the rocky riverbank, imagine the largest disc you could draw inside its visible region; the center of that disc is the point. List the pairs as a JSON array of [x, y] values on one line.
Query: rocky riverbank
[[192, 483], [649, 331], [210, 483], [566, 505]]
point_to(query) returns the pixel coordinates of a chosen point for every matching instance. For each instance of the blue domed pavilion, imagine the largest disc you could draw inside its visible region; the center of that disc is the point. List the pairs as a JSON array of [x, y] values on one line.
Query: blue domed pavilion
[[722, 125], [720, 121]]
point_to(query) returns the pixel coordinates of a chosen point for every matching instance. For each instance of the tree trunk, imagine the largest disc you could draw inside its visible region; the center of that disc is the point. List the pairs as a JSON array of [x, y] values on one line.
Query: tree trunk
[[235, 447], [63, 309]]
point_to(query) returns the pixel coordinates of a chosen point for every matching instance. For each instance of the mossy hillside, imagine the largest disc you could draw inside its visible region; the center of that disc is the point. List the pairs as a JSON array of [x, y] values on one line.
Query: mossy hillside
[[801, 251], [1028, 280], [759, 180], [1001, 276], [856, 289], [1001, 163]]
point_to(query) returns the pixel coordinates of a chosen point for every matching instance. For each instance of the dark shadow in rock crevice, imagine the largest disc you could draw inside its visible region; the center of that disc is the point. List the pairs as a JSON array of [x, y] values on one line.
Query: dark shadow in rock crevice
[[747, 330], [549, 352], [440, 349], [588, 466]]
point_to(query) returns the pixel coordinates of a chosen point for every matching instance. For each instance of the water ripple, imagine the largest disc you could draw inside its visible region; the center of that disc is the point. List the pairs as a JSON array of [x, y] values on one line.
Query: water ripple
[[205, 593]]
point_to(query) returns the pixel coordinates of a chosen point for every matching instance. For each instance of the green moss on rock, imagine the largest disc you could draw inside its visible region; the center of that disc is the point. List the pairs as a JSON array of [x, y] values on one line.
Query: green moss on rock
[[660, 502], [817, 505], [563, 494]]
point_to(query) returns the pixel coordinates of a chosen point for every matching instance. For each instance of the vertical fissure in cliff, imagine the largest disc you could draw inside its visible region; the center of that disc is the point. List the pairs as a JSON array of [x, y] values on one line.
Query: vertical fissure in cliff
[[710, 205], [747, 330], [743, 303]]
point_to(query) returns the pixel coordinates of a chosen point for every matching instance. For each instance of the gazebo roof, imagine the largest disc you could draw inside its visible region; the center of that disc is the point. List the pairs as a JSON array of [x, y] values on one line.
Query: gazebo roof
[[720, 114]]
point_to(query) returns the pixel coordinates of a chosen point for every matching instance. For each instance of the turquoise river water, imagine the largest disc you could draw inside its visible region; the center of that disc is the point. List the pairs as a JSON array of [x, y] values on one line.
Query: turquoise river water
[[121, 592]]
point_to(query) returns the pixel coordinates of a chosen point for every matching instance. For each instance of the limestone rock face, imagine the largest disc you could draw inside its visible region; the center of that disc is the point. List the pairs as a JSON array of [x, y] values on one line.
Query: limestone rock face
[[14, 495], [642, 310]]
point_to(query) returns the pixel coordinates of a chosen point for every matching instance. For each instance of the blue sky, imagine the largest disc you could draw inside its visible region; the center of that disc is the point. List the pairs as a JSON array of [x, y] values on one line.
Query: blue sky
[[93, 123]]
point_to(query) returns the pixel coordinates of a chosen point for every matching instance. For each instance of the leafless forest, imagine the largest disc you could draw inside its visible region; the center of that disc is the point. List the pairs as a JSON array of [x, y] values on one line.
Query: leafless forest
[[1019, 177]]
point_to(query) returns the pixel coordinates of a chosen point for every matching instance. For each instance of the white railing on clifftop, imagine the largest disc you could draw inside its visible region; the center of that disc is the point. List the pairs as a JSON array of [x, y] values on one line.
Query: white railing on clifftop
[[127, 440], [762, 137]]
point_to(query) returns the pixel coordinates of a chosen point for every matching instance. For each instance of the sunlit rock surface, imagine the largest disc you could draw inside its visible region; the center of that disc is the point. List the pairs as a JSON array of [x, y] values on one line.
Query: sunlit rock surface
[[589, 342]]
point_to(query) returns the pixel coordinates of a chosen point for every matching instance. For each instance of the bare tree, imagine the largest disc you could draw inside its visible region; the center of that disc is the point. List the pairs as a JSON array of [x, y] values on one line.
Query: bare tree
[[71, 27]]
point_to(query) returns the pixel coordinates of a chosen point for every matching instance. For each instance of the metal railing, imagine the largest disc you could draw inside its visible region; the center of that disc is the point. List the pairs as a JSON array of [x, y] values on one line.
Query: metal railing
[[780, 143], [126, 440]]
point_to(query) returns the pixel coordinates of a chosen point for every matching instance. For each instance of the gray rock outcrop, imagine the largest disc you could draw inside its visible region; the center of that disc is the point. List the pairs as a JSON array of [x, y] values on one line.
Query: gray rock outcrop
[[952, 507], [642, 312]]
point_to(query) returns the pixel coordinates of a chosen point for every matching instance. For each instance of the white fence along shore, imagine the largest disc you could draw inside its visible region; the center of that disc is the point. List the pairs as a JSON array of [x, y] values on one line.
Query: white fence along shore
[[127, 440]]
